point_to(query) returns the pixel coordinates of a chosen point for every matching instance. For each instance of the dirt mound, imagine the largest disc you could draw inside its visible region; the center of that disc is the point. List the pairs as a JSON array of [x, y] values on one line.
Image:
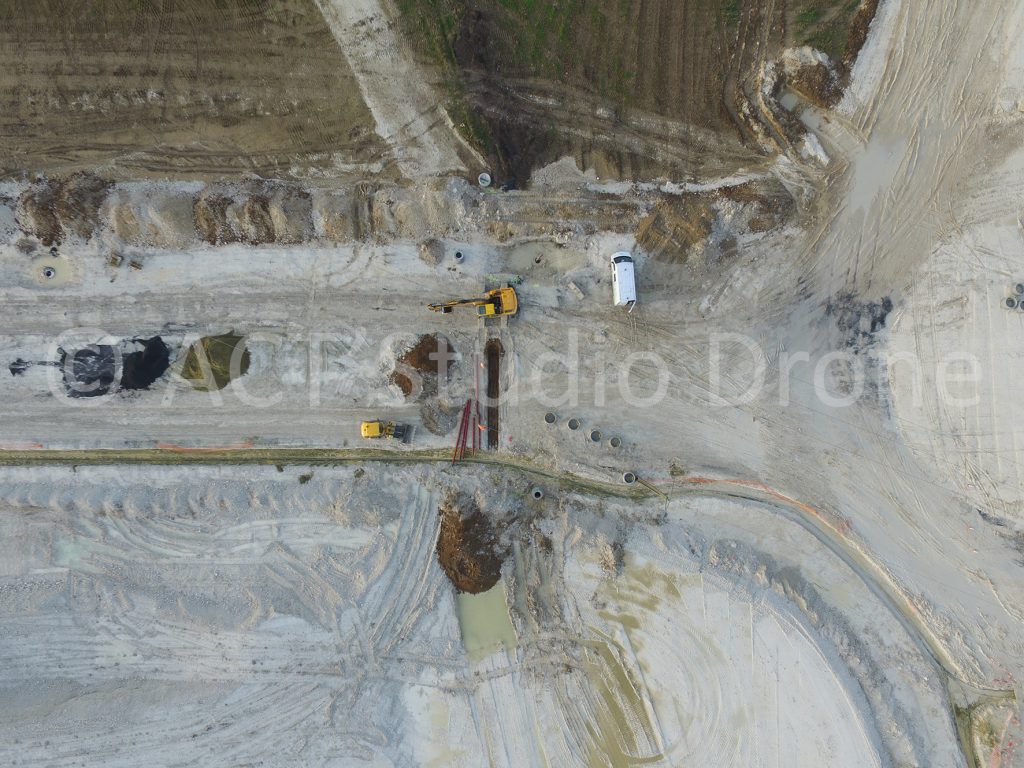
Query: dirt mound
[[141, 367], [51, 209], [254, 214], [439, 418], [213, 361], [468, 548], [78, 203], [425, 363], [210, 213], [859, 28], [162, 219], [674, 226], [36, 213], [768, 203], [431, 252]]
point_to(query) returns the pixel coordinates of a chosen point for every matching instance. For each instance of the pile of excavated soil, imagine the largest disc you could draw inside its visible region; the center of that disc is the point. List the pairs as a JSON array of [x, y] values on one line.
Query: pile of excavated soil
[[422, 363], [467, 547], [51, 209], [254, 214], [674, 226], [439, 418]]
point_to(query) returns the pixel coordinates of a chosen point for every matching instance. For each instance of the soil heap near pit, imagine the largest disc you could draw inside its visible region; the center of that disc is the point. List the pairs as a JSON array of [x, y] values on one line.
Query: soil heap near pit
[[422, 365], [51, 209], [467, 547], [213, 361], [674, 226], [268, 212]]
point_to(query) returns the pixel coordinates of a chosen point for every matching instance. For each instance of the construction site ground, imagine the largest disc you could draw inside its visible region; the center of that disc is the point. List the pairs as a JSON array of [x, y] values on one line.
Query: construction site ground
[[230, 574]]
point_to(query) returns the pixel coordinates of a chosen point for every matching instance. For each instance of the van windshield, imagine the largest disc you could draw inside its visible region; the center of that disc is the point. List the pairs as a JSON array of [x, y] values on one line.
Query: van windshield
[[620, 259]]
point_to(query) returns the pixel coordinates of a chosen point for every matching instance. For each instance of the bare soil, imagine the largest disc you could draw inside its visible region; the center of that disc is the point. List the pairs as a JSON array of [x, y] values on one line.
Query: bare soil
[[424, 360], [180, 89], [531, 82], [468, 548], [54, 208]]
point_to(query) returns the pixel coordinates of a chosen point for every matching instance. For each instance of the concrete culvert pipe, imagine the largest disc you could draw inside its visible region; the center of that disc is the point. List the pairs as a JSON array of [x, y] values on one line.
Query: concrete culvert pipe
[[549, 418], [49, 272], [573, 424], [1011, 303], [537, 493], [484, 179], [1019, 289], [459, 256], [595, 435], [615, 442], [628, 478]]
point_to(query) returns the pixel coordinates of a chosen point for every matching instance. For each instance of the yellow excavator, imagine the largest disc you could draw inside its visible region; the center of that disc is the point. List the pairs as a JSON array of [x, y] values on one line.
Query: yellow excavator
[[497, 303]]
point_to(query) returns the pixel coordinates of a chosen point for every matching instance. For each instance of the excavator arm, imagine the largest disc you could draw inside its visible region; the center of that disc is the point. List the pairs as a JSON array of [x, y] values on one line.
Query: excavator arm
[[448, 306], [501, 301]]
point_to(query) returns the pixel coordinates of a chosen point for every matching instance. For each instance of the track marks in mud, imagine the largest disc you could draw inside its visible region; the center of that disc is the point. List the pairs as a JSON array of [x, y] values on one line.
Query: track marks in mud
[[186, 89]]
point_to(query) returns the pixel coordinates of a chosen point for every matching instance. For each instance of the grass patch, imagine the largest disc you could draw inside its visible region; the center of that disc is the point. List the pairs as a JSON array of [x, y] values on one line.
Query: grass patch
[[823, 24]]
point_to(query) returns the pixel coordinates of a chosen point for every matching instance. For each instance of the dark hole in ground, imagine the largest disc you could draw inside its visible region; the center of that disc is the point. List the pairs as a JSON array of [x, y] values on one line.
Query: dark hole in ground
[[88, 372], [467, 547], [142, 367], [493, 351]]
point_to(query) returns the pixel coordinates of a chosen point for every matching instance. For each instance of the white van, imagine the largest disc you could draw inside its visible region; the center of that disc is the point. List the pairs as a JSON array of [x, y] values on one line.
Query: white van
[[623, 280]]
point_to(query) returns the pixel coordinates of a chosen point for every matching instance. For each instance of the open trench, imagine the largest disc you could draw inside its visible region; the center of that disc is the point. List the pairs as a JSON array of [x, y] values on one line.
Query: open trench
[[493, 351]]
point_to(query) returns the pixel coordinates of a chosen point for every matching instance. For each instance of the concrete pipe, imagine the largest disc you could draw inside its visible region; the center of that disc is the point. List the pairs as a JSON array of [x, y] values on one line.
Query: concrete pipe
[[628, 478], [615, 442], [573, 424], [549, 418], [1011, 302], [459, 256], [537, 493], [595, 435]]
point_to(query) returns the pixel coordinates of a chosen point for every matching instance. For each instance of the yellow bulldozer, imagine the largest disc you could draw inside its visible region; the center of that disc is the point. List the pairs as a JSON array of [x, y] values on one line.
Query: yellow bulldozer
[[497, 303], [375, 429]]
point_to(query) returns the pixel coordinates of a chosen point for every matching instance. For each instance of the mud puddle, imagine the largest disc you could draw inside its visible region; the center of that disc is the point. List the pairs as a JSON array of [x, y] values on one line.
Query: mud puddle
[[485, 622]]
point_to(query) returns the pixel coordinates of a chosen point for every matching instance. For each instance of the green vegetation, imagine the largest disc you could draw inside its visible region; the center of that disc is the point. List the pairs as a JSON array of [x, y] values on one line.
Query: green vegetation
[[213, 361], [823, 24], [731, 13], [524, 38]]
